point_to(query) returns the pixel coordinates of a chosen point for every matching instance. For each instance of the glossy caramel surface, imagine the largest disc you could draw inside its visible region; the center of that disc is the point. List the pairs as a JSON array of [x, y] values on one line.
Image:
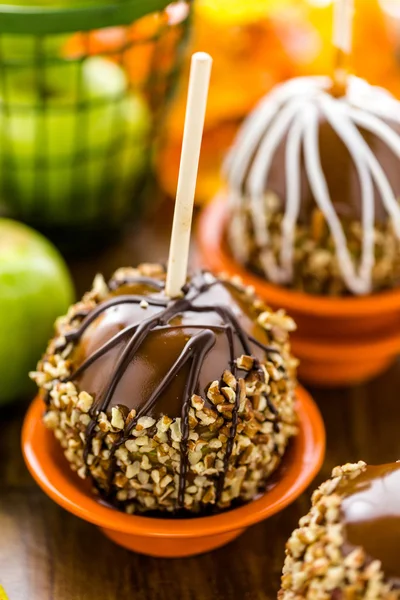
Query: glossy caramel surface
[[371, 513], [340, 172], [162, 347]]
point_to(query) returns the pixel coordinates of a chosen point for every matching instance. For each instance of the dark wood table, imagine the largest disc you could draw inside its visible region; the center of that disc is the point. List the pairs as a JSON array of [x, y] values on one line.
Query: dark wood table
[[48, 554]]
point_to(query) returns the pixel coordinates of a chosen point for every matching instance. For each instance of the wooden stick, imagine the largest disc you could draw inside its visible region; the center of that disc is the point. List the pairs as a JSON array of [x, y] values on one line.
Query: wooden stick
[[193, 131], [342, 41], [343, 25]]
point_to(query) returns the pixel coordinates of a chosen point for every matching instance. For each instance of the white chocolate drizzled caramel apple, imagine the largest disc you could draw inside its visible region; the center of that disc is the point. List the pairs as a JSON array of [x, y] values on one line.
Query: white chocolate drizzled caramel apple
[[314, 186]]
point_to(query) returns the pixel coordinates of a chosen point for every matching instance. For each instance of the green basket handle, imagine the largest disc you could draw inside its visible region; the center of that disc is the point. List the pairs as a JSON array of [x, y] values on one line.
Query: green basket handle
[[21, 20]]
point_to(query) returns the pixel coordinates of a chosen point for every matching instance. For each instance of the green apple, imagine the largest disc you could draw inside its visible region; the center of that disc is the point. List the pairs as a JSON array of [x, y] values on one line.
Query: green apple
[[82, 148], [35, 288]]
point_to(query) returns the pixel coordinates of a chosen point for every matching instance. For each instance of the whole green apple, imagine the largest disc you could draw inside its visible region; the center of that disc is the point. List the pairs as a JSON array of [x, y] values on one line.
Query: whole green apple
[[35, 288], [68, 162]]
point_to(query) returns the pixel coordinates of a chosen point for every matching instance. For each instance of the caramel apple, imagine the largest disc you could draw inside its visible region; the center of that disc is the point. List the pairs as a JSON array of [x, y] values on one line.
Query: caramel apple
[[348, 546], [314, 185], [171, 404]]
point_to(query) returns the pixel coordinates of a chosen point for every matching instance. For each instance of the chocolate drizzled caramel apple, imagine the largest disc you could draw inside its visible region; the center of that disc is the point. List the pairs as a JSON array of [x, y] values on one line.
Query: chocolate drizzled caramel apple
[[348, 546], [170, 404], [314, 187], [172, 393]]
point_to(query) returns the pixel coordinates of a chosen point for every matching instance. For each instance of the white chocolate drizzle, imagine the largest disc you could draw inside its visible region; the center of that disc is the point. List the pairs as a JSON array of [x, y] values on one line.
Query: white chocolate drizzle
[[293, 109]]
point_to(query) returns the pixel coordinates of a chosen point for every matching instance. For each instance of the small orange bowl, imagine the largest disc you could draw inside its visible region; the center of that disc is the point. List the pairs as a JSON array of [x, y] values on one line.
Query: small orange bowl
[[170, 537], [339, 341]]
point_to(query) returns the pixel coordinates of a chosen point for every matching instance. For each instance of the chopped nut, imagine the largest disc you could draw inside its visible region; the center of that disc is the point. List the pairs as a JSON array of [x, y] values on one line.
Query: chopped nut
[[229, 379], [165, 481], [194, 457], [85, 402], [133, 470], [131, 446], [117, 419], [280, 319], [245, 362], [122, 455], [175, 430], [146, 422], [229, 394], [143, 477], [213, 393], [209, 496], [197, 402], [51, 419], [145, 464]]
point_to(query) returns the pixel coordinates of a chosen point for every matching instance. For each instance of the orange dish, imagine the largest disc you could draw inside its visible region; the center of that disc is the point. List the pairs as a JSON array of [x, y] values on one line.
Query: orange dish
[[339, 341], [173, 537]]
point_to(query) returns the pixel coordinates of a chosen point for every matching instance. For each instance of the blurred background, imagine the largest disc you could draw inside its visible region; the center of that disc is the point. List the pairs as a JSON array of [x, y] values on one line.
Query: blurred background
[[259, 43]]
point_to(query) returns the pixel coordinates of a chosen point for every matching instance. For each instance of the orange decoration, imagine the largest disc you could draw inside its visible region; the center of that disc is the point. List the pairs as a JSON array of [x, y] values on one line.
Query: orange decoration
[[136, 46], [374, 43], [374, 49], [249, 59]]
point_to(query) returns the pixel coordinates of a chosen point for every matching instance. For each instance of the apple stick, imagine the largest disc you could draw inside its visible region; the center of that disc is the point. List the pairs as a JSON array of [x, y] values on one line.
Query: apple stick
[[193, 131], [342, 39]]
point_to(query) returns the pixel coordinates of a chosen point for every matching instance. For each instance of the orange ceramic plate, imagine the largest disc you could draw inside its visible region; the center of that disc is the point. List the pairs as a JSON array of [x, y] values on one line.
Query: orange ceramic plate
[[172, 537]]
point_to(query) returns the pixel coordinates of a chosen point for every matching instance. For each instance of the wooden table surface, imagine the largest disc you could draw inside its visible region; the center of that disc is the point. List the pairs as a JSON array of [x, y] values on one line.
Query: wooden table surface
[[48, 554]]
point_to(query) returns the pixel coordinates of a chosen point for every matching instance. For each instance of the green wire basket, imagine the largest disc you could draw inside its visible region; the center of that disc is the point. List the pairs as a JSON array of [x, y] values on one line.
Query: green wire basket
[[83, 90]]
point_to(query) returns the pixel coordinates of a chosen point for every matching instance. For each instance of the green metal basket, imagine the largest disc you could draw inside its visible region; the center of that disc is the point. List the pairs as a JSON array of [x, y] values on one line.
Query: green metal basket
[[82, 93]]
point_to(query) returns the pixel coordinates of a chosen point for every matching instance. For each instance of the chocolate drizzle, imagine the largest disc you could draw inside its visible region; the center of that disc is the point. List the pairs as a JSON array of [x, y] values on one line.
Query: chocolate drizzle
[[163, 317]]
